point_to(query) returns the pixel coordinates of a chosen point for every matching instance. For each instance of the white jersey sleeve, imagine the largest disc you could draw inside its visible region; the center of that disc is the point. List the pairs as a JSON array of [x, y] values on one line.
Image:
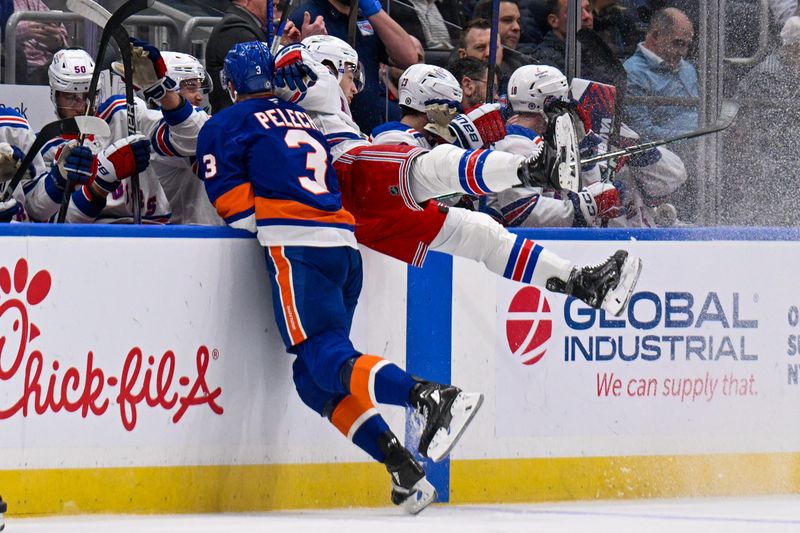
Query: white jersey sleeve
[[328, 108]]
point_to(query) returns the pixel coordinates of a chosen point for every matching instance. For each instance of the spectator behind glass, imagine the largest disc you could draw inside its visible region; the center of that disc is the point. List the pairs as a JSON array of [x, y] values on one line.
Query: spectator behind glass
[[379, 39], [471, 75], [617, 25], [598, 61], [427, 21], [658, 68], [509, 29], [474, 42], [36, 41], [760, 147]]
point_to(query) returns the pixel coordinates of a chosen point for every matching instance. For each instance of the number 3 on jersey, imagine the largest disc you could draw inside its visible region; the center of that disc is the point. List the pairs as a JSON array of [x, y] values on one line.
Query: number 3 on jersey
[[316, 160]]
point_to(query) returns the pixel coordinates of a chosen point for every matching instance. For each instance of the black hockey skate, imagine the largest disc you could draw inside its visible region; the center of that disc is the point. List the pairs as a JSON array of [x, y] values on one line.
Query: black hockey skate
[[3, 509], [608, 285], [446, 411], [410, 488], [558, 164]]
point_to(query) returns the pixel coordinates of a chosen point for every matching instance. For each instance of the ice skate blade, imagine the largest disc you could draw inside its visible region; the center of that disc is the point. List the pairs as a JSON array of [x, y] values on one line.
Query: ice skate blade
[[569, 169], [424, 494], [463, 410], [617, 298]]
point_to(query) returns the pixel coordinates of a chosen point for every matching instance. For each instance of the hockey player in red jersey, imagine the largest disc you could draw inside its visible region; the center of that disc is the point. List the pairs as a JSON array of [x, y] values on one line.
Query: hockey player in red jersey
[[266, 168], [390, 189]]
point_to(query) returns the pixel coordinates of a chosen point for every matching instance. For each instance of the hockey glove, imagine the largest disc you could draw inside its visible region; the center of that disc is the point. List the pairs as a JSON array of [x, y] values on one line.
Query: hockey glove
[[291, 73], [10, 157], [150, 71], [121, 160], [73, 162], [441, 111], [596, 204], [479, 127], [369, 7], [9, 209], [554, 106]]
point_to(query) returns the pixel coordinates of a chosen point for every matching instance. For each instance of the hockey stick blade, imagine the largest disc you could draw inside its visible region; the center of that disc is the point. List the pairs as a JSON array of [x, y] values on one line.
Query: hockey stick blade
[[80, 125], [726, 118], [90, 10]]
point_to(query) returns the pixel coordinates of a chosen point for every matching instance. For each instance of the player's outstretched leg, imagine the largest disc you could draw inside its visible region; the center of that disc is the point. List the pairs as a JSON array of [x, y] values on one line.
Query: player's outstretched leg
[[411, 490], [446, 411], [608, 285]]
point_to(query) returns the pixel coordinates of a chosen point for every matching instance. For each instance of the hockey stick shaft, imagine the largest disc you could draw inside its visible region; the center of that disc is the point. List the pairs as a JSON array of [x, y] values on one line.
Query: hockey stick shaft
[[352, 23], [276, 40], [123, 42], [490, 72], [726, 119], [129, 8]]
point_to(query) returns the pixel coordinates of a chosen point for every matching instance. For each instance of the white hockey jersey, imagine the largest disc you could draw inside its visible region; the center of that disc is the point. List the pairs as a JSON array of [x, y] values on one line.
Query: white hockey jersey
[[327, 106], [173, 134], [16, 131]]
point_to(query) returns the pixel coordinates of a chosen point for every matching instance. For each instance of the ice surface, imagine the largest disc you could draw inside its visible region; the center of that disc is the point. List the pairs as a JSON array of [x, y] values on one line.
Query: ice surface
[[779, 514]]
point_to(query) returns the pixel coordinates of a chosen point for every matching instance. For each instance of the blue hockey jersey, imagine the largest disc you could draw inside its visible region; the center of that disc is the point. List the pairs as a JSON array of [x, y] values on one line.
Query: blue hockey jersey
[[267, 169]]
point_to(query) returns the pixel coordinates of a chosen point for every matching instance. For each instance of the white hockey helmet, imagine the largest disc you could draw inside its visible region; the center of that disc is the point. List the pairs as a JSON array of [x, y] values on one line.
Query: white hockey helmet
[[182, 67], [421, 83], [70, 72], [530, 85], [327, 48]]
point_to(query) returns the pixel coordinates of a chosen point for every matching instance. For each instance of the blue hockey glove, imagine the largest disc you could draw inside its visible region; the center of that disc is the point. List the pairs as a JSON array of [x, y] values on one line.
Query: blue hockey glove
[[8, 210], [75, 163]]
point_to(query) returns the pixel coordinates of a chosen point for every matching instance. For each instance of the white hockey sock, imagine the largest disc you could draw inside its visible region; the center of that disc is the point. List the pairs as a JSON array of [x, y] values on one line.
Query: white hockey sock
[[448, 169], [477, 236]]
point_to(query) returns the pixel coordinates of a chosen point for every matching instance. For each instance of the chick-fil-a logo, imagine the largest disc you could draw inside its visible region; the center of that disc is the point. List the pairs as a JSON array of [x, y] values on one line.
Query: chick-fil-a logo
[[47, 387]]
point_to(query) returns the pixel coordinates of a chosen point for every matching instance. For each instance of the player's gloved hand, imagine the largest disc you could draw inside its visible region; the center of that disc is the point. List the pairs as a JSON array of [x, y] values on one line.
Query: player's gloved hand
[[121, 160], [481, 126], [369, 7], [73, 162], [441, 111], [554, 106], [291, 73], [596, 204], [150, 71], [10, 157], [9, 209]]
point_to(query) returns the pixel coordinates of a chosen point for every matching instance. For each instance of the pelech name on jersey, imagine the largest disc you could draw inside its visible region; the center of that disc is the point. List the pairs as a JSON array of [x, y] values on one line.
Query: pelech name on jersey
[[284, 118]]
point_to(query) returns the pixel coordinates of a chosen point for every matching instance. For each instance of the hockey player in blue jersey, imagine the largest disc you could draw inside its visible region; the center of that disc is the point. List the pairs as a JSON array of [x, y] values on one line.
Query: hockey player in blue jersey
[[267, 169]]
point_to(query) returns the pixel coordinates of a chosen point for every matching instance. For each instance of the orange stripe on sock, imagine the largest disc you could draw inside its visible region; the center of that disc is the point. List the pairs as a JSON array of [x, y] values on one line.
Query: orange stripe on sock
[[284, 278], [350, 411], [360, 382]]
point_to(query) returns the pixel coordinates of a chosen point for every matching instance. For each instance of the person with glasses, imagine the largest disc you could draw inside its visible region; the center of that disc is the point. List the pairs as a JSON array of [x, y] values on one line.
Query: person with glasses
[[659, 68]]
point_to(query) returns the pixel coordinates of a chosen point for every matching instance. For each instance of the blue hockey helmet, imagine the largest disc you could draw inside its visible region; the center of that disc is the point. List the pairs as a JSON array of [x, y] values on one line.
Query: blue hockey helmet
[[249, 66]]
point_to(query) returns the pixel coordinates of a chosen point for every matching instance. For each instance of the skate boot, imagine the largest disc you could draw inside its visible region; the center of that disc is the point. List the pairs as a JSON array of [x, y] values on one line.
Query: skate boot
[[410, 488], [608, 285], [558, 164], [3, 509], [446, 411]]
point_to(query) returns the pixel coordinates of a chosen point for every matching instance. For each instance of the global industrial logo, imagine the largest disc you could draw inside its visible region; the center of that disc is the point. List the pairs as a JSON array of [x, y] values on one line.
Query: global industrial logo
[[673, 326], [529, 325]]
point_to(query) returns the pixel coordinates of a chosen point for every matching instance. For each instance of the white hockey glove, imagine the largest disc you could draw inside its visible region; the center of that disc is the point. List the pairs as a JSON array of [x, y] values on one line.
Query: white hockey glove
[[10, 157], [149, 71], [596, 204], [441, 112], [121, 160]]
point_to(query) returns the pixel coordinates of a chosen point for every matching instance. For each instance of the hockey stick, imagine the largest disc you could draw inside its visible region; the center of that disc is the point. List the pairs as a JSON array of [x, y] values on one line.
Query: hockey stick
[[490, 73], [352, 23], [90, 10], [726, 118], [113, 23], [80, 125], [276, 41]]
